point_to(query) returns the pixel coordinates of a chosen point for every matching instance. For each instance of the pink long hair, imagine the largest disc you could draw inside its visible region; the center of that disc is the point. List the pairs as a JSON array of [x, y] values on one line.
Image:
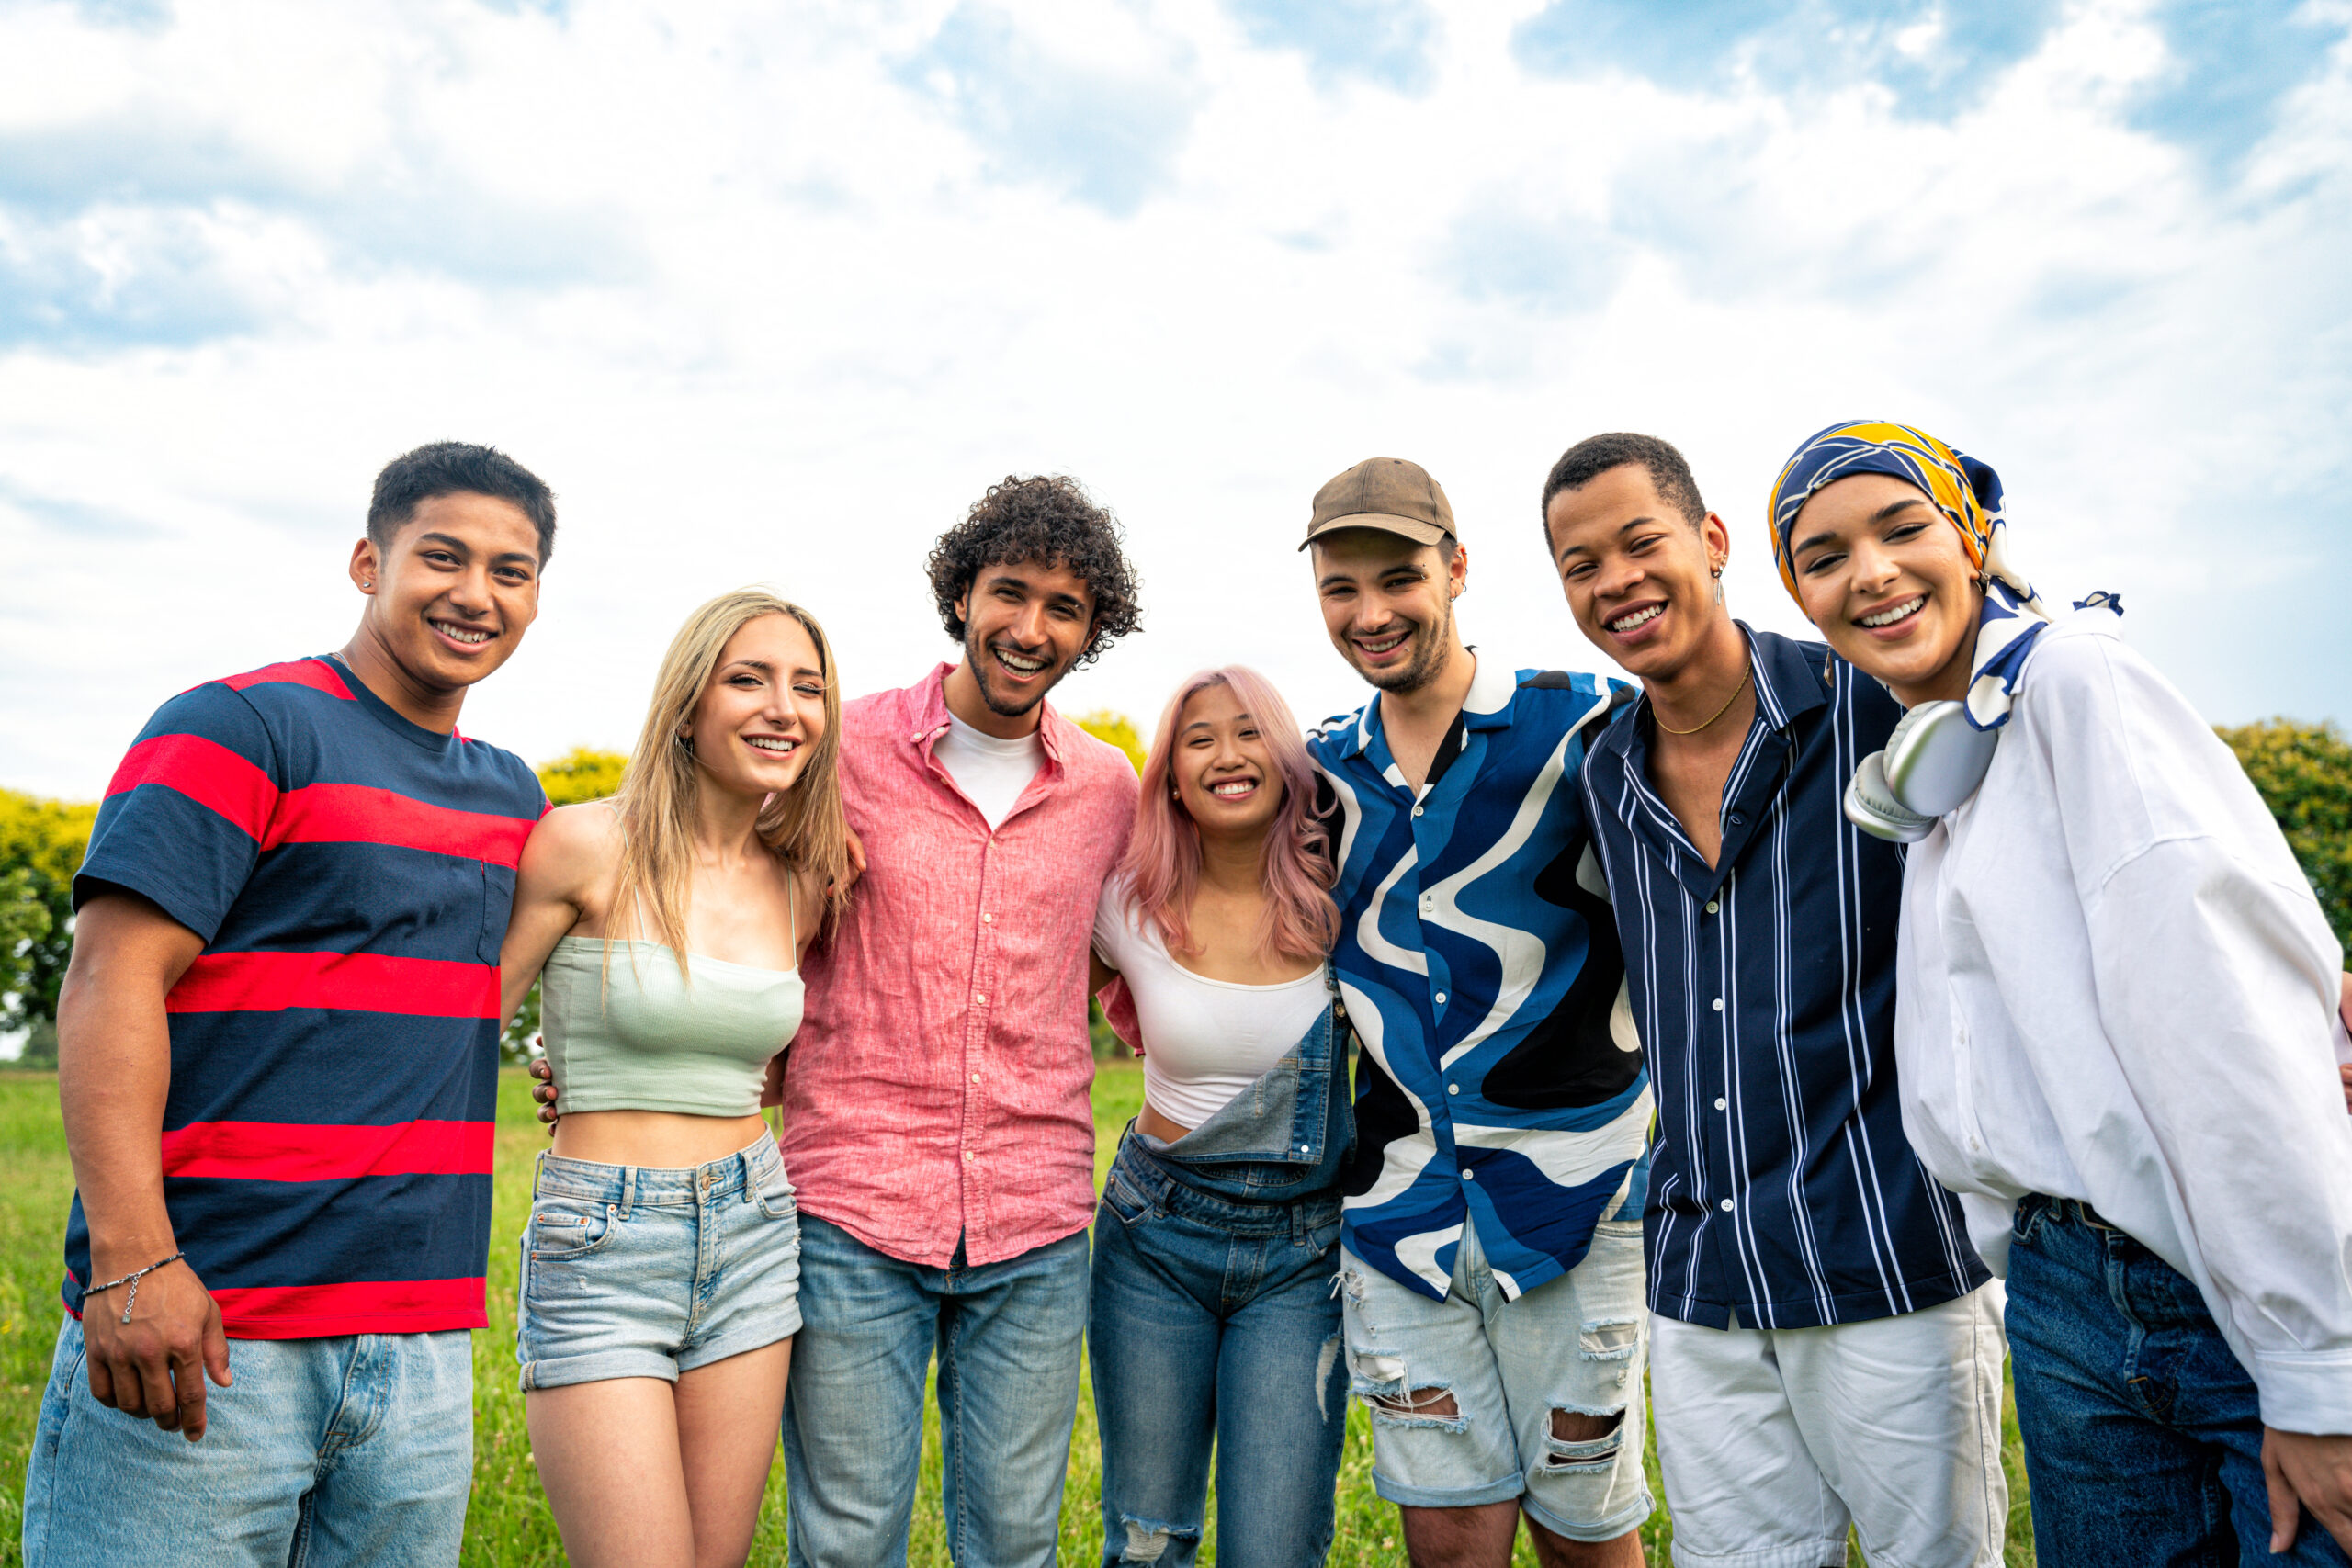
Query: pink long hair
[[1163, 859]]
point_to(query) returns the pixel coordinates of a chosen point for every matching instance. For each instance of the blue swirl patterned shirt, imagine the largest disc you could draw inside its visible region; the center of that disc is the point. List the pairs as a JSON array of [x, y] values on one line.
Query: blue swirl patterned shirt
[[1499, 1080]]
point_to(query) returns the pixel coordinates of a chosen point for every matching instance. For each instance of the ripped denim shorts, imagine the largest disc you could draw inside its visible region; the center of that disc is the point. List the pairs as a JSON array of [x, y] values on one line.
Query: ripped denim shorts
[[641, 1271], [1475, 1399]]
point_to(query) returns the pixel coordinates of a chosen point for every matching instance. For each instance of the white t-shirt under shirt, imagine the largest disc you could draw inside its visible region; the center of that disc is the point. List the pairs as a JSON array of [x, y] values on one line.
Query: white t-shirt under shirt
[[992, 772], [1205, 1040]]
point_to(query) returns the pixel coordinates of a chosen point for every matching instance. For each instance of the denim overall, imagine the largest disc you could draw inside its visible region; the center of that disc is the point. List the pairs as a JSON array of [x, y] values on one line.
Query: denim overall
[[1213, 1323]]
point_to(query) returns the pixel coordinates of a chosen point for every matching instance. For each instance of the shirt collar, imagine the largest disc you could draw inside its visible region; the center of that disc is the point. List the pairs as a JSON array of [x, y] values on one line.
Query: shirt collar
[[1788, 683], [930, 709], [1487, 705]]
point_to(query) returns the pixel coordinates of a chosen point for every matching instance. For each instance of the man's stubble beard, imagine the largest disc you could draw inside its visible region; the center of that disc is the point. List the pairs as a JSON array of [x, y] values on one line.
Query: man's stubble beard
[[1427, 662], [978, 657]]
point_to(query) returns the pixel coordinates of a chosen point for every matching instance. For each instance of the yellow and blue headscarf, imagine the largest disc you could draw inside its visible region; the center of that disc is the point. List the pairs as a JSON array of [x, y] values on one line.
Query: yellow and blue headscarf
[[1968, 494]]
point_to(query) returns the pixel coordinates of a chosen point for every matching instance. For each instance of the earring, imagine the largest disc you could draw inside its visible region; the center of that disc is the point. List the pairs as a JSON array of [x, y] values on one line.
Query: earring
[[368, 586]]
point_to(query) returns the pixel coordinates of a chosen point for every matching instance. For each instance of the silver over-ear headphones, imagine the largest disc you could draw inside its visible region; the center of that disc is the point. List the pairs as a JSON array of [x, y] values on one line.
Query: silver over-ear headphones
[[1933, 762]]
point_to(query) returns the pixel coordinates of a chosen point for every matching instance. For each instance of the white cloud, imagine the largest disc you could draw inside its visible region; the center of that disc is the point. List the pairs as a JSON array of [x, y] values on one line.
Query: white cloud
[[764, 296]]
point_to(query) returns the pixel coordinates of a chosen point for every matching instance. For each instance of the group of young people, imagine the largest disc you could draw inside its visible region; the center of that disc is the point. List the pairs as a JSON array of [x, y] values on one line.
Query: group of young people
[[1739, 1026]]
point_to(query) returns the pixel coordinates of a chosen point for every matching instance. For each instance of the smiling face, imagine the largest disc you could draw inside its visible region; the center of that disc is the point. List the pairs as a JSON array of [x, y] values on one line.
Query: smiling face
[[1024, 624], [1886, 577], [1389, 604], [1224, 773], [1639, 579], [449, 598], [762, 711]]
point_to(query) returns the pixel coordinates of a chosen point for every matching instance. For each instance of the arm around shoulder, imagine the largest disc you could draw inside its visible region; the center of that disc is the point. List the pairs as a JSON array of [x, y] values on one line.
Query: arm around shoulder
[[566, 875]]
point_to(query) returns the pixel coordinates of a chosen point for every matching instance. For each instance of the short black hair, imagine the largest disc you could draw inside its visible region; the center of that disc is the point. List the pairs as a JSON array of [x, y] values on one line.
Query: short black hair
[[1045, 517], [457, 468], [1596, 454]]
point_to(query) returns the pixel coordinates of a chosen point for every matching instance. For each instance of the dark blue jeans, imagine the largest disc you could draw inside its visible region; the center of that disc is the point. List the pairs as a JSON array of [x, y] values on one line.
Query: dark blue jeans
[[2142, 1435], [1214, 1323]]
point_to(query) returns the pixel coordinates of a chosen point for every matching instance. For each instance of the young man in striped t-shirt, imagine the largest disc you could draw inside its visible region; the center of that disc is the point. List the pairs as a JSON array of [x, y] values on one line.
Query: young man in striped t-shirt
[[278, 1048]]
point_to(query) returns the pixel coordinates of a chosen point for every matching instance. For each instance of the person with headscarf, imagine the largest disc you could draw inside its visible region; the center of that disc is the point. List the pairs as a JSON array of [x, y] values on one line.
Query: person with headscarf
[[2116, 1009]]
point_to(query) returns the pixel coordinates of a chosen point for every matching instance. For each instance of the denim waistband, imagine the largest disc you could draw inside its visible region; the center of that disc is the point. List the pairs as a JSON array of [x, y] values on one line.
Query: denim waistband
[[743, 1172], [1166, 1190]]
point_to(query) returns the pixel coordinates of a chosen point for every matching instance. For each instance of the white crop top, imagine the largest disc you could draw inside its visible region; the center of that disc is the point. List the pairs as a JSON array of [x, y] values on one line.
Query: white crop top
[[1205, 1040]]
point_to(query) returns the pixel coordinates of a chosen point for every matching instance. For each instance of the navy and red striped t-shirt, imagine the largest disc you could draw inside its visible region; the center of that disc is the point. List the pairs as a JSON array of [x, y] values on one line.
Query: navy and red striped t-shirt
[[334, 1048]]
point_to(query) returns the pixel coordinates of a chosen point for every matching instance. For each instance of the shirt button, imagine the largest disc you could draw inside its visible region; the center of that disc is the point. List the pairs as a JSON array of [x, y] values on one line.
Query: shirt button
[[1724, 1205], [1721, 1103], [1440, 999], [1711, 906], [1453, 1089], [984, 998], [1416, 811], [1469, 1176], [1719, 1003], [986, 918], [976, 1078], [1976, 1147], [1736, 819], [968, 1159]]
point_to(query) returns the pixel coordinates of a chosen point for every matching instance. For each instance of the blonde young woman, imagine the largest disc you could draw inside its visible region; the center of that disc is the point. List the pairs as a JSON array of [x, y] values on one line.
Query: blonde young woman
[[661, 1266]]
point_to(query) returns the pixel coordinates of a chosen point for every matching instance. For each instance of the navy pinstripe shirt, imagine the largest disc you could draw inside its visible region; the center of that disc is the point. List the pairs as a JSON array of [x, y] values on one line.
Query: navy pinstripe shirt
[[1782, 1188]]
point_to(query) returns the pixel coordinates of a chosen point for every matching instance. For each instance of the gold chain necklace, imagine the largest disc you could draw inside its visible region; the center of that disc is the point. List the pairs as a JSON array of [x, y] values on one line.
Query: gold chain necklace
[[1711, 718]]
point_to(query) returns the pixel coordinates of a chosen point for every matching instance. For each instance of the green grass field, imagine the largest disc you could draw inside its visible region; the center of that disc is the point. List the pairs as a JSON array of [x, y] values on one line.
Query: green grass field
[[508, 1523]]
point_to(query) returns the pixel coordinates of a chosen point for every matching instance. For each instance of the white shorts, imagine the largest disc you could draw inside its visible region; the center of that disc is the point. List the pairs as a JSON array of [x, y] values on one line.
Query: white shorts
[[1772, 1441], [1572, 1345]]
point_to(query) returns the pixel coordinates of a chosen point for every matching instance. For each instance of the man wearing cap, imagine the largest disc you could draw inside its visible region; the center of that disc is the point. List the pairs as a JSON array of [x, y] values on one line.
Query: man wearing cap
[[1491, 1271]]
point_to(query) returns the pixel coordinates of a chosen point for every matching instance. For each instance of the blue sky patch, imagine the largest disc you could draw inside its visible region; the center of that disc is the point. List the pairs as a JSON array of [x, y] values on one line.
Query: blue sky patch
[[1937, 59], [1386, 42], [1107, 140]]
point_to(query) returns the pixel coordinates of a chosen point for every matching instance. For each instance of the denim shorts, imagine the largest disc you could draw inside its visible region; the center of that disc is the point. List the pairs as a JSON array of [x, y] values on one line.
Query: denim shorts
[[637, 1271], [1575, 1344]]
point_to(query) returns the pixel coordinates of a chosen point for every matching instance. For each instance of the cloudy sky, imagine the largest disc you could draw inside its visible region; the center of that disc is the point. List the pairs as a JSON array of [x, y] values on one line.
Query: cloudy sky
[[771, 293]]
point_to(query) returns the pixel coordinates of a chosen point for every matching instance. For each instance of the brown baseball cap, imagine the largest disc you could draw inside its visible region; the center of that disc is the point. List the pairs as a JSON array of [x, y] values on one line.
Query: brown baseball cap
[[1388, 493]]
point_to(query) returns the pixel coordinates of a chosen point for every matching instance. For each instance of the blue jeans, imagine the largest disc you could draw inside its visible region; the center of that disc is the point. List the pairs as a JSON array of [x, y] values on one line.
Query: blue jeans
[[1214, 1323], [2142, 1435], [1009, 1336], [352, 1449]]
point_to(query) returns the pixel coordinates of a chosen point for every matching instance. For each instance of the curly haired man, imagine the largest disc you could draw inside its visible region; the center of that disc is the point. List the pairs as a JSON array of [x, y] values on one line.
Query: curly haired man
[[936, 1116]]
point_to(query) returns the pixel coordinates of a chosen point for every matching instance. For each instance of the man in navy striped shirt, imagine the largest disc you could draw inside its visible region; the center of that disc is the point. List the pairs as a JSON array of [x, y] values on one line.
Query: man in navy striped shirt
[[1826, 1348], [277, 1055]]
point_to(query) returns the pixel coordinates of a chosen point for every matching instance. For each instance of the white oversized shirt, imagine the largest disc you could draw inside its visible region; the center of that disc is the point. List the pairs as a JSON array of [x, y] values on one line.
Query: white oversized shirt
[[2116, 986]]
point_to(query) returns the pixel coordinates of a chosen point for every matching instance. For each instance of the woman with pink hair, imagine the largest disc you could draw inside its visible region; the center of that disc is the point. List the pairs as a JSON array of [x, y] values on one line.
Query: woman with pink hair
[[1213, 1323]]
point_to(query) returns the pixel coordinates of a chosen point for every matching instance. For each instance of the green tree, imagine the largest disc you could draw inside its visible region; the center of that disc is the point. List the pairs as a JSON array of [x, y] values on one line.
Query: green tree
[[1118, 729], [2303, 772], [42, 845], [582, 773]]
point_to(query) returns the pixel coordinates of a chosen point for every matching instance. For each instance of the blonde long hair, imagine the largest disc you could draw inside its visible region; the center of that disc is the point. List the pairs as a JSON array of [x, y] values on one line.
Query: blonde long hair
[[803, 826]]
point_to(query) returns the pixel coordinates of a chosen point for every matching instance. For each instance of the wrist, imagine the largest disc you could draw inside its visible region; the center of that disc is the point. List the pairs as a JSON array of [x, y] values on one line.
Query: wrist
[[115, 1256]]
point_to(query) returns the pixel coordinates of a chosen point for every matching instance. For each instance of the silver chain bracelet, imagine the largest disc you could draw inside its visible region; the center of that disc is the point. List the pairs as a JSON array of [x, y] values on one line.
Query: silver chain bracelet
[[131, 1280]]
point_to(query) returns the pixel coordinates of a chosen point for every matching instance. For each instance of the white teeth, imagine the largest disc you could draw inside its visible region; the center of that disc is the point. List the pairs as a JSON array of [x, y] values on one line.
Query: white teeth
[[1024, 665], [1377, 647], [1234, 788], [1638, 618], [461, 634], [776, 743], [1888, 617]]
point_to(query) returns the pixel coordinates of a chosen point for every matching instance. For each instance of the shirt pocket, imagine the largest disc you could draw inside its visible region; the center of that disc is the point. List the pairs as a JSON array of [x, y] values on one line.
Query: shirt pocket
[[497, 908]]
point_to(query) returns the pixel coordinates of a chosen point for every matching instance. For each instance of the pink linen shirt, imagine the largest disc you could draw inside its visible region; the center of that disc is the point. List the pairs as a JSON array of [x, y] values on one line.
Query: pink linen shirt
[[939, 1087]]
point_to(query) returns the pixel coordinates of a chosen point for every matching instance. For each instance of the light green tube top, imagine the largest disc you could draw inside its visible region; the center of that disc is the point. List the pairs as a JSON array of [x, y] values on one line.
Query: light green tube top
[[647, 1041]]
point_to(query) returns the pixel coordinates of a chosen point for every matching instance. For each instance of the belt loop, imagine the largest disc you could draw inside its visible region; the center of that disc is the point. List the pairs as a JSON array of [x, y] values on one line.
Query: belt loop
[[1298, 1225], [750, 1175], [538, 1169], [629, 1189]]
